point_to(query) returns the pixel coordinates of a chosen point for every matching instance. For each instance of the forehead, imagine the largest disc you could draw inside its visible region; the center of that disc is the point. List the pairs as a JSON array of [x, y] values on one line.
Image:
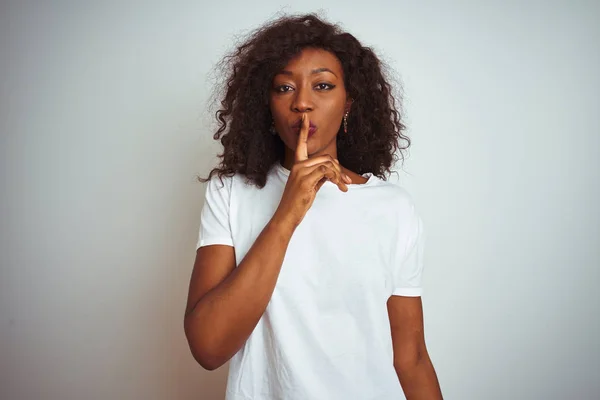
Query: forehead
[[311, 58]]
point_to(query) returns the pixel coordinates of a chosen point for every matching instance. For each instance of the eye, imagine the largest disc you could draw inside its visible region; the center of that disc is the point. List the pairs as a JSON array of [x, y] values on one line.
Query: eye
[[324, 86], [283, 88]]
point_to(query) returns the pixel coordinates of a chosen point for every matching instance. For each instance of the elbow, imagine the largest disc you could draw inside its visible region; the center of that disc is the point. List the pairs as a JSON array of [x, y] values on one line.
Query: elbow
[[407, 363], [208, 361], [203, 350]]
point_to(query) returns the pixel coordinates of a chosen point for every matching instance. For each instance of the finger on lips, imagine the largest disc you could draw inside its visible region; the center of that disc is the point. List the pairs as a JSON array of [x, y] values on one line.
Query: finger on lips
[[339, 178], [301, 146]]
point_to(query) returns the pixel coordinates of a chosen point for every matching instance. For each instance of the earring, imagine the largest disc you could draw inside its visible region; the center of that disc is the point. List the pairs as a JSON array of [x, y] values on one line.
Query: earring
[[272, 129], [346, 122]]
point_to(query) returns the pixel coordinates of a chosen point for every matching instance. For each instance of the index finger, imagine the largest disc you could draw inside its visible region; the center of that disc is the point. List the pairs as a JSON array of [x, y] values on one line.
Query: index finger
[[302, 146]]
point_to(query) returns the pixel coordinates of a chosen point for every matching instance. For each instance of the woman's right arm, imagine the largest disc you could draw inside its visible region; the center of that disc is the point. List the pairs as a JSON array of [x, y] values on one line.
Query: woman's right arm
[[224, 302]]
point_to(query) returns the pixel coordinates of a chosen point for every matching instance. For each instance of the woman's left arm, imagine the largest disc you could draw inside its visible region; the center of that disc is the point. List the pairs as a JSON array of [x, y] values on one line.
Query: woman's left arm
[[411, 360]]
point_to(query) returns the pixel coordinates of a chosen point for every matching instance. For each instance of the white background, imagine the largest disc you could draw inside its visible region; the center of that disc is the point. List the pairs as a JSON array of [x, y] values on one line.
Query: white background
[[104, 126]]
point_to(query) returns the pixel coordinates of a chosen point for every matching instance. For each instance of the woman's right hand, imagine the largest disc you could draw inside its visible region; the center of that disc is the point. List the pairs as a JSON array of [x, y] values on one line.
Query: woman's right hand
[[306, 178]]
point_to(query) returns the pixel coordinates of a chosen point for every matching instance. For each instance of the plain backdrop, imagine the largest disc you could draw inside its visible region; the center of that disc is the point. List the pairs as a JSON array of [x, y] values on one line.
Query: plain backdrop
[[104, 126]]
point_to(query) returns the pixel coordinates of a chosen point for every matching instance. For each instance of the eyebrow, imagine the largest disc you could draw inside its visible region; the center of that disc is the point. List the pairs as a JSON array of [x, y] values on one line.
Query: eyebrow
[[314, 71]]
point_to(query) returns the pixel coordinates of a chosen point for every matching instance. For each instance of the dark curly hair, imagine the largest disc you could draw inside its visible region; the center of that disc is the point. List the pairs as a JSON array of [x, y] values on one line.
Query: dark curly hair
[[244, 117]]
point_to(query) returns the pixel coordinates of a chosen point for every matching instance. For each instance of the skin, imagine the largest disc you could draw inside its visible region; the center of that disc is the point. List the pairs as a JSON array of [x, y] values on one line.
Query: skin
[[224, 302]]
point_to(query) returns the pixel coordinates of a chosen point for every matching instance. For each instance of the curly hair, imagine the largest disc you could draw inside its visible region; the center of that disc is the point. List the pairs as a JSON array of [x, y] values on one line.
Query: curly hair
[[244, 117]]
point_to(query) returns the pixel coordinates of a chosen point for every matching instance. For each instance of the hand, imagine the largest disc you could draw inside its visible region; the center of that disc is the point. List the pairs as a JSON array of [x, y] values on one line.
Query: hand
[[306, 178]]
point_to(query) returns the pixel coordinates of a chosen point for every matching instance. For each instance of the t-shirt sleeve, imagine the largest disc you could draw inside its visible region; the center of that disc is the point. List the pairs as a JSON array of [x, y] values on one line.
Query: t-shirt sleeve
[[409, 266], [215, 227]]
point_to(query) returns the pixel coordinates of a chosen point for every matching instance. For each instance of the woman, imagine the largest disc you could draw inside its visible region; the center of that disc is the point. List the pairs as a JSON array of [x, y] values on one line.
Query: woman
[[308, 267]]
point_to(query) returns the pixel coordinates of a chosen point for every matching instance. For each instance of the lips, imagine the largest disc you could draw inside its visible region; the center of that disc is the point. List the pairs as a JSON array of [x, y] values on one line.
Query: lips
[[311, 130]]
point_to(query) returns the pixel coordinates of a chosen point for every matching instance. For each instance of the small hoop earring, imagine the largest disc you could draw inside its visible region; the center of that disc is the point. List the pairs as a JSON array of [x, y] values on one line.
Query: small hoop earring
[[346, 122]]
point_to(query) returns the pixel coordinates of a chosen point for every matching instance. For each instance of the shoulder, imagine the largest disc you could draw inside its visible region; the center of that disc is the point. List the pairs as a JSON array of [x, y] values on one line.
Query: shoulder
[[393, 194], [219, 187], [235, 188]]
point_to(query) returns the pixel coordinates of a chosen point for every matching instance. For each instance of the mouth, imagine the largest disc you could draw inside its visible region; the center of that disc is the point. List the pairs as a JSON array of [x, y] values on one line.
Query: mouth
[[311, 130]]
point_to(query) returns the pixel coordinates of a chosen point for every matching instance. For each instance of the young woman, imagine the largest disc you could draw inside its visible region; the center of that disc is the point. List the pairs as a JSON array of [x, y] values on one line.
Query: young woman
[[308, 267]]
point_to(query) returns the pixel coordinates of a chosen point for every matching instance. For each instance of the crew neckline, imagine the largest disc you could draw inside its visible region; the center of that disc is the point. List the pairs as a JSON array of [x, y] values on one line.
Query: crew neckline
[[370, 178]]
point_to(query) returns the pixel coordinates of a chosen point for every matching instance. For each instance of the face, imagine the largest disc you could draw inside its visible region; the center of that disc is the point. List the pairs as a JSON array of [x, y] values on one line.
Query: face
[[311, 83]]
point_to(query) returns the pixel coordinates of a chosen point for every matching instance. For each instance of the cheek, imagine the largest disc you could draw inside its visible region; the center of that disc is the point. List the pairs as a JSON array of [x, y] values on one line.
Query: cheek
[[277, 110], [335, 112], [337, 104]]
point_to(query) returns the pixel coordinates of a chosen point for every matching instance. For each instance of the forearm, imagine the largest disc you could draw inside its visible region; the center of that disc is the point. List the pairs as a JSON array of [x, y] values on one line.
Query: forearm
[[419, 381], [224, 318]]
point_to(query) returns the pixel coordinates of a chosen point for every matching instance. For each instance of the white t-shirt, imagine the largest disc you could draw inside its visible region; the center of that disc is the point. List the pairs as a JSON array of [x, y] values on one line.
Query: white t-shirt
[[325, 333]]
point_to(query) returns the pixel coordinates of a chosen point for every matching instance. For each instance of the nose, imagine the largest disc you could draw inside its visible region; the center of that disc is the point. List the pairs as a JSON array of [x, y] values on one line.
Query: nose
[[302, 101]]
